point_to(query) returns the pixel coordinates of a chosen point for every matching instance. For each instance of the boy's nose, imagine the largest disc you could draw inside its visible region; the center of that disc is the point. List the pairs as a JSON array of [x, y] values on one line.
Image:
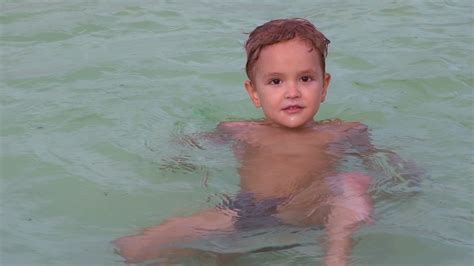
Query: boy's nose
[[292, 91]]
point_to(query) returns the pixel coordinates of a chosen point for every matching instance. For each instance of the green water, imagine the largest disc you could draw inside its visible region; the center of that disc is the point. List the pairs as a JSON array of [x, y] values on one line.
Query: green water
[[95, 93]]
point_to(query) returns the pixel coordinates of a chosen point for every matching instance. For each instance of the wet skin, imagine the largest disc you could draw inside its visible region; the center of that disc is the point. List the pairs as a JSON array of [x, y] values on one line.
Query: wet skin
[[298, 165], [286, 156], [288, 83], [286, 163]]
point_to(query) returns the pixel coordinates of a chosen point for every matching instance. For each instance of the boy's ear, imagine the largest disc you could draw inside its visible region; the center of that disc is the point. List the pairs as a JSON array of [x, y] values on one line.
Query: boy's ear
[[252, 91], [327, 80]]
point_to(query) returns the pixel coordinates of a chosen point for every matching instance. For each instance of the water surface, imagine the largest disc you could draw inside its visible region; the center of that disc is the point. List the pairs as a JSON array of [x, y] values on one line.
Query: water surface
[[94, 95]]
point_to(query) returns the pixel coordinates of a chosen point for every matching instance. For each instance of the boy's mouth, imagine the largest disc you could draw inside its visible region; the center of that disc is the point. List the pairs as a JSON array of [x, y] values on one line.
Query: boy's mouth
[[293, 108]]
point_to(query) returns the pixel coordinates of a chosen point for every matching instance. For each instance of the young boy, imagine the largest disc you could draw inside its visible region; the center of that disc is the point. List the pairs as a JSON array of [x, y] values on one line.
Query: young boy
[[288, 161]]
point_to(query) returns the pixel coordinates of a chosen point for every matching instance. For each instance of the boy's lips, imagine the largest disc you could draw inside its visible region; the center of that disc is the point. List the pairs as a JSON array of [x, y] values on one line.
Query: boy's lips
[[294, 108]]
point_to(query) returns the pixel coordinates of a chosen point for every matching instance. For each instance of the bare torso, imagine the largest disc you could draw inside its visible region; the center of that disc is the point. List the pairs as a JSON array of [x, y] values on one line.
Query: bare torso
[[278, 162], [297, 165]]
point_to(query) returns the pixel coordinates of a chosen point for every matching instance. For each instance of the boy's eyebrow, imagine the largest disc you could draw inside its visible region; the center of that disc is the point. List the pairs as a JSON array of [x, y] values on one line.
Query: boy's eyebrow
[[306, 71], [271, 74], [311, 71]]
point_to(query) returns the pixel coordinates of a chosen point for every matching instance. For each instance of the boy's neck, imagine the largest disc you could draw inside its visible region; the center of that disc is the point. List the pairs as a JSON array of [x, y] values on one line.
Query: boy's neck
[[269, 123]]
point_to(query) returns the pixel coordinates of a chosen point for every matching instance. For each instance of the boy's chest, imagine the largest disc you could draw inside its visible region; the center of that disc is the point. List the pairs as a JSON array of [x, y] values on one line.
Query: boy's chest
[[279, 166]]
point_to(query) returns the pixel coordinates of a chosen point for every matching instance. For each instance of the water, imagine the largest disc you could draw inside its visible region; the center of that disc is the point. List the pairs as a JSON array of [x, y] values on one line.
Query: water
[[95, 94]]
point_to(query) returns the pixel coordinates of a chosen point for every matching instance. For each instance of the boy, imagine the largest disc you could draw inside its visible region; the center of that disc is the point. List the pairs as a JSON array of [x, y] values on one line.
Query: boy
[[288, 161]]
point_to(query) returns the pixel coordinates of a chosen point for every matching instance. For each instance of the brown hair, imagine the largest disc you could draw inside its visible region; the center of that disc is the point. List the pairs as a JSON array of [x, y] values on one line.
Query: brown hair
[[281, 30]]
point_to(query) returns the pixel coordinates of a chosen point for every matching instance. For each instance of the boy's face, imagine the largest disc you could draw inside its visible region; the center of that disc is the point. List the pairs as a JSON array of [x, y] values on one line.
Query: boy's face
[[288, 83]]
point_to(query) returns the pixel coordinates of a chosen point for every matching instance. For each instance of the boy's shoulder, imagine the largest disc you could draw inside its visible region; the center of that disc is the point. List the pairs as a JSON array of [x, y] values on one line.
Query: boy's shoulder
[[236, 129], [331, 125], [326, 131], [232, 126], [339, 125], [353, 132]]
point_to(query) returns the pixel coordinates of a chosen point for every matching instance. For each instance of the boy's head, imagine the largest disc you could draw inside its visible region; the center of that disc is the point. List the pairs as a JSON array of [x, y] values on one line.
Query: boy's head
[[286, 71], [281, 30]]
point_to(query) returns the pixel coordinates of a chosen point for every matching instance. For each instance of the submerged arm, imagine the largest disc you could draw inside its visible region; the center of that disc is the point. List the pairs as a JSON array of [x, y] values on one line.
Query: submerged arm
[[184, 144], [382, 161]]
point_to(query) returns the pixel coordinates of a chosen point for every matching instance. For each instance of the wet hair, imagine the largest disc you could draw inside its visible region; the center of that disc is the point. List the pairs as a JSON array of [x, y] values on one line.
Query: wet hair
[[281, 30]]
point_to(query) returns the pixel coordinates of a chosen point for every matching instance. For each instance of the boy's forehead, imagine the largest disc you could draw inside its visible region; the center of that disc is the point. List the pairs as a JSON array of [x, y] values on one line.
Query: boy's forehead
[[297, 53]]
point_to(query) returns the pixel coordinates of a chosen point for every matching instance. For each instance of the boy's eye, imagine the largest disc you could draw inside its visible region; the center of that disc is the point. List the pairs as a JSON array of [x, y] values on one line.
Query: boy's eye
[[306, 78], [274, 81]]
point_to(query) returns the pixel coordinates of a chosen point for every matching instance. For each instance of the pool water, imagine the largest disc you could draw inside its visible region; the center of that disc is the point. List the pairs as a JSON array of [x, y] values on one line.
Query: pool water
[[97, 96]]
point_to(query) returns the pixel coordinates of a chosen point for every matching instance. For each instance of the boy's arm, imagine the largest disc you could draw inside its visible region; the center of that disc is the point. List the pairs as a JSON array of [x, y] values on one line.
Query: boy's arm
[[222, 135], [382, 160]]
